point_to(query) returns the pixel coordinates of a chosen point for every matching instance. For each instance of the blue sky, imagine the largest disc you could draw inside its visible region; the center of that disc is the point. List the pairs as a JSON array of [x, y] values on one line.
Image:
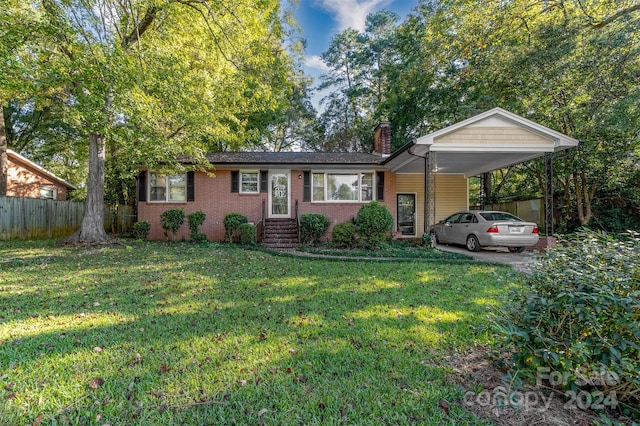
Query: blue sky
[[322, 19]]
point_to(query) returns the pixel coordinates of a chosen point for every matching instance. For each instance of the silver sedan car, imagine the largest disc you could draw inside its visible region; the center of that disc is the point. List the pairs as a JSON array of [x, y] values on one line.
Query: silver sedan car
[[479, 228]]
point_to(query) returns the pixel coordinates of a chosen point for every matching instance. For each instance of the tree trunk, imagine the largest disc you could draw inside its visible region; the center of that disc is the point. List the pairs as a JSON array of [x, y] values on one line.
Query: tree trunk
[[583, 199], [92, 228], [4, 161], [487, 185]]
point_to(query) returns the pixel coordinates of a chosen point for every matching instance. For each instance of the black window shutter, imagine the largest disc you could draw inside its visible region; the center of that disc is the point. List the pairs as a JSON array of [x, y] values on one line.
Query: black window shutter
[[142, 186], [263, 181], [380, 189], [191, 193], [306, 193], [235, 181]]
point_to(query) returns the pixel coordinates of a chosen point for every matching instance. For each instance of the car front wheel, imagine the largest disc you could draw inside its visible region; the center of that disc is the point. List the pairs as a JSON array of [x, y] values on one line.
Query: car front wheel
[[516, 249], [473, 244]]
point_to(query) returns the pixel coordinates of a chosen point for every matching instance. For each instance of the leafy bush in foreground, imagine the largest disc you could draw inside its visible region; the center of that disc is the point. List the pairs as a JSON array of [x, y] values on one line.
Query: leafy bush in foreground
[[312, 227], [344, 235], [231, 223], [172, 220], [141, 229], [196, 219], [578, 314], [374, 224], [247, 234]]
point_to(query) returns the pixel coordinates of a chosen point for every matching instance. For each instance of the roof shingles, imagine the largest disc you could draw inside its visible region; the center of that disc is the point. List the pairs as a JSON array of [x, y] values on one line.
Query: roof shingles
[[307, 158]]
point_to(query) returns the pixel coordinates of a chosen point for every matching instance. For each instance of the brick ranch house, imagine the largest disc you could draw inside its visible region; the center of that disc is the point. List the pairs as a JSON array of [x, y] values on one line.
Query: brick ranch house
[[27, 179], [421, 183]]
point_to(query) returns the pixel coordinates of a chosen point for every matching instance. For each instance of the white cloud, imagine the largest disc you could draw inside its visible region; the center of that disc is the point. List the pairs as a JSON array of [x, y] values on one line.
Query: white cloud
[[352, 13], [316, 63]]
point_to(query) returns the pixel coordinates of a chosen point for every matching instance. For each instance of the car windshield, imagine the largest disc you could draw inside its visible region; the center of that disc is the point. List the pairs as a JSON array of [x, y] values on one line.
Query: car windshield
[[491, 216]]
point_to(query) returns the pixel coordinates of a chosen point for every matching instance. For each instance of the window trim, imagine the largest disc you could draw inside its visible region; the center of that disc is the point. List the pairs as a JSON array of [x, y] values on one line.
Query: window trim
[[243, 172], [325, 174], [167, 189], [53, 189]]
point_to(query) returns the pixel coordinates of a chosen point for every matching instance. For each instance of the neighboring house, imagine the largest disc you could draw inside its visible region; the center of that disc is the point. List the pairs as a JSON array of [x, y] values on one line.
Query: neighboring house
[[27, 179], [422, 183]]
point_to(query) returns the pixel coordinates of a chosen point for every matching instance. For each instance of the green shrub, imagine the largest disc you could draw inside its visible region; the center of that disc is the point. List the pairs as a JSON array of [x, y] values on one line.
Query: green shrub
[[427, 240], [578, 314], [344, 235], [141, 229], [374, 224], [312, 227], [194, 220], [247, 234], [231, 223], [172, 220]]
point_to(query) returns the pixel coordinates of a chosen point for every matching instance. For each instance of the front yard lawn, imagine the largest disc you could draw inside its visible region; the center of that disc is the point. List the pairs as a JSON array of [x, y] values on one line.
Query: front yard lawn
[[157, 333]]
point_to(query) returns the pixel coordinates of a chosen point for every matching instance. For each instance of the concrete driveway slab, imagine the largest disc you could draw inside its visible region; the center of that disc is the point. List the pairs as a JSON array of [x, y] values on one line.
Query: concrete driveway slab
[[521, 262]]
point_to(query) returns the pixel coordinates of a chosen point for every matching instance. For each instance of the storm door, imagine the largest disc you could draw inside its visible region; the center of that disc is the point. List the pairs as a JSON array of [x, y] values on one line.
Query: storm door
[[279, 194], [406, 216]]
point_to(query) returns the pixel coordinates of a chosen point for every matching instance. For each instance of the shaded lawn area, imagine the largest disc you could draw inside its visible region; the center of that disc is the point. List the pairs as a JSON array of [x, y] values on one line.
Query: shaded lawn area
[[159, 333]]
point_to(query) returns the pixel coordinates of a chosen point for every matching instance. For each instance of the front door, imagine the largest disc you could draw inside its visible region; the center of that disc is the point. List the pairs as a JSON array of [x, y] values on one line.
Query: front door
[[279, 199], [407, 214]]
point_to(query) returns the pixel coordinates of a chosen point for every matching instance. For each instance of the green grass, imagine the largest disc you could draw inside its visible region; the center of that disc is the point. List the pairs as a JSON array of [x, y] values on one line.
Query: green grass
[[159, 333], [402, 249]]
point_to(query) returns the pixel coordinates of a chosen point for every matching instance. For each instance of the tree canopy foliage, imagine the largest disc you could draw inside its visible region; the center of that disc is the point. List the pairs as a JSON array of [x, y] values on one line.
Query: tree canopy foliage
[[572, 66], [146, 81]]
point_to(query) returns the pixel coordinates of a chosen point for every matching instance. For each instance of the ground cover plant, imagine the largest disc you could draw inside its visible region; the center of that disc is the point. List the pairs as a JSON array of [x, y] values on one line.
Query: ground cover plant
[[177, 333], [394, 249], [578, 315]]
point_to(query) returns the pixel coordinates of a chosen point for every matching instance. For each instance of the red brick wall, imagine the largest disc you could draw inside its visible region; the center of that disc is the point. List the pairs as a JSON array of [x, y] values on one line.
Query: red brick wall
[[23, 181], [214, 197]]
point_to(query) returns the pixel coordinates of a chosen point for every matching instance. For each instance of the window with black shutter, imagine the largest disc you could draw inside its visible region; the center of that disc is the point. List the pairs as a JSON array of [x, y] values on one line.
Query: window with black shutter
[[191, 193], [380, 186], [306, 193], [235, 179], [142, 186], [263, 181]]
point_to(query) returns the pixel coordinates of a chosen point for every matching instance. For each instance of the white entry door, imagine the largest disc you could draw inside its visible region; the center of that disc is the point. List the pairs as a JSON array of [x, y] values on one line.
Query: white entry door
[[279, 193]]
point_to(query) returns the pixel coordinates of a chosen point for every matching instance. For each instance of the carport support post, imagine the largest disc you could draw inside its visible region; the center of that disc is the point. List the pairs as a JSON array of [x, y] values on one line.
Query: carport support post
[[427, 191], [548, 194]]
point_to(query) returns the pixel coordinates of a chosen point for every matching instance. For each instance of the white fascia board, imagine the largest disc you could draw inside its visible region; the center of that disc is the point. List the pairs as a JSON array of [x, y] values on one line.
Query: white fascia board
[[492, 148]]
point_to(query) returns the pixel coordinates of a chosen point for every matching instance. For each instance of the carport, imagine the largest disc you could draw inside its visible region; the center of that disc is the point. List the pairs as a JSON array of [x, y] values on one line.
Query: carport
[[489, 141]]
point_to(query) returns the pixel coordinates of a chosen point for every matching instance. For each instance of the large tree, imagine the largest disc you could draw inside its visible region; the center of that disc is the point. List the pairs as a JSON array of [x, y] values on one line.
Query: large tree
[[147, 81], [358, 81]]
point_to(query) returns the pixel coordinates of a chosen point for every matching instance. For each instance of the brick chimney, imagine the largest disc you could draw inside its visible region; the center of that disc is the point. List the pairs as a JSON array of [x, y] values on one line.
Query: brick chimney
[[382, 139]]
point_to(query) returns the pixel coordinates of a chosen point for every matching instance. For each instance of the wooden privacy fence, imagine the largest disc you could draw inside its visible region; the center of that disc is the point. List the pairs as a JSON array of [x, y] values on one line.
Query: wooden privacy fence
[[529, 210], [27, 218]]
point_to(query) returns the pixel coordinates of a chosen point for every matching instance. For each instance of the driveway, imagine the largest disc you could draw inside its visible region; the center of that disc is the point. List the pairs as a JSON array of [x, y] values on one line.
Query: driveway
[[521, 262]]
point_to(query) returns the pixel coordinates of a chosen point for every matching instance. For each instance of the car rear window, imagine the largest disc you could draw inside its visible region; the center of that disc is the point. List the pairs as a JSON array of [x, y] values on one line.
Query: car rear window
[[500, 216]]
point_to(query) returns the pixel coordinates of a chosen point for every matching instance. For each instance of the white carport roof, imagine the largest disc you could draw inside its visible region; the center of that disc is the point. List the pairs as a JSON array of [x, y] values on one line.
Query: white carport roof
[[492, 140]]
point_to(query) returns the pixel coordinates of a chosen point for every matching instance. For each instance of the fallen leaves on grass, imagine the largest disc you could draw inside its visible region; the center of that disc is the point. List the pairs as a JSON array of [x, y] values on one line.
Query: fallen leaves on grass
[[96, 382], [38, 419]]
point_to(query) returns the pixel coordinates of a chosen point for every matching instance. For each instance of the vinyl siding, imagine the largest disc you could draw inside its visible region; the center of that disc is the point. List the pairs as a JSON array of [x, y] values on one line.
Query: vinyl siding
[[451, 194], [507, 136]]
